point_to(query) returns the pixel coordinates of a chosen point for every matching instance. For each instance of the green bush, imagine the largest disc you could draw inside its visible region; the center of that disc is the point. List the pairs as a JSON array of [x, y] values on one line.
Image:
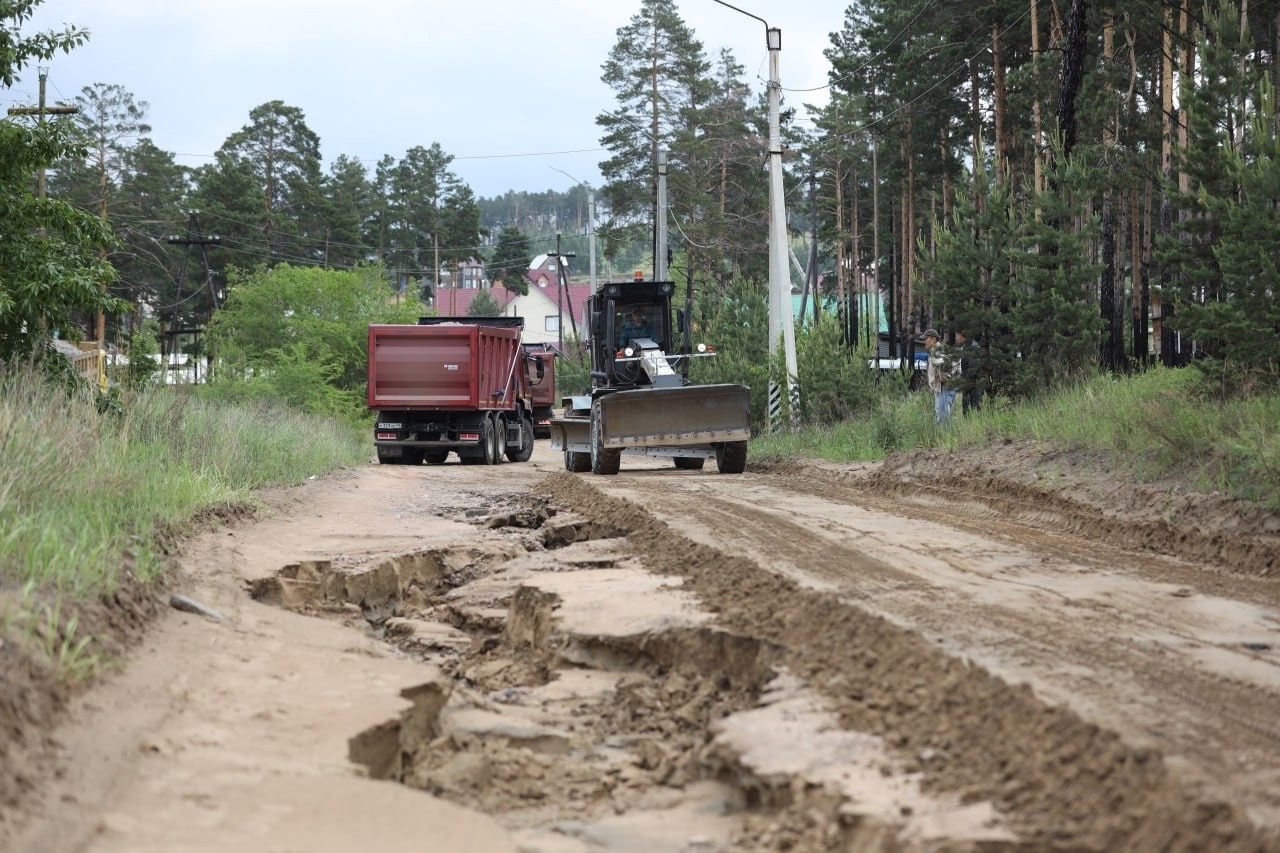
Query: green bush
[[299, 335], [144, 351]]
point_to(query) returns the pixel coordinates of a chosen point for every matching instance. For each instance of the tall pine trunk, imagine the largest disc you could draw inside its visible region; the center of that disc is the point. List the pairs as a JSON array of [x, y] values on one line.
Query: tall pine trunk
[[999, 99]]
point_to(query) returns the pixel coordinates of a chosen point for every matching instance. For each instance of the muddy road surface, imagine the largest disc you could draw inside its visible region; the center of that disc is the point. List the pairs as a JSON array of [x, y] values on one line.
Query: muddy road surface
[[812, 657]]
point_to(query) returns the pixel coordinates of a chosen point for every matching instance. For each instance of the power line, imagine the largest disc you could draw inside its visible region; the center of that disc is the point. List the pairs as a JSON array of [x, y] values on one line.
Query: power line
[[929, 4], [939, 82], [364, 161]]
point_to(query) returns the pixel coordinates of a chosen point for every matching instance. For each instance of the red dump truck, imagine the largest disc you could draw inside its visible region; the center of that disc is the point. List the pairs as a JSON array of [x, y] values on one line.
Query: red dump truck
[[460, 384], [544, 392]]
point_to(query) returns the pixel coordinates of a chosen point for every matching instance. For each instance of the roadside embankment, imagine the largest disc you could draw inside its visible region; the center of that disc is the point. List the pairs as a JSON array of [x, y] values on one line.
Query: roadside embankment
[[1163, 428]]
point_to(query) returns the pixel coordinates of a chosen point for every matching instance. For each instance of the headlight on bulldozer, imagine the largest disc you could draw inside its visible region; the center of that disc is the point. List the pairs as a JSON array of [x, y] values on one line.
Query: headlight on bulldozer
[[628, 352]]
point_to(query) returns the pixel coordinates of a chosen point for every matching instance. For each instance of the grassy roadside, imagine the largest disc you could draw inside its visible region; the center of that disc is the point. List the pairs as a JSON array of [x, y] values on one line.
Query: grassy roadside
[[1157, 424], [83, 491]]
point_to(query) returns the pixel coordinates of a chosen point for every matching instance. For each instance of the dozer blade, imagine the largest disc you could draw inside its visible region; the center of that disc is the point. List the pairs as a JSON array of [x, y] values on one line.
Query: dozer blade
[[693, 414]]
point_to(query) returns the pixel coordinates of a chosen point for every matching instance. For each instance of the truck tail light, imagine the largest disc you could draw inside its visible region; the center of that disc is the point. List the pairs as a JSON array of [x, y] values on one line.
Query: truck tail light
[[468, 436]]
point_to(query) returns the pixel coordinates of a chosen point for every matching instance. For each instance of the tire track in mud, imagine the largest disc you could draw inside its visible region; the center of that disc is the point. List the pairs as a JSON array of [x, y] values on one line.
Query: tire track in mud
[[1021, 518], [1061, 781], [1103, 668], [1232, 538]]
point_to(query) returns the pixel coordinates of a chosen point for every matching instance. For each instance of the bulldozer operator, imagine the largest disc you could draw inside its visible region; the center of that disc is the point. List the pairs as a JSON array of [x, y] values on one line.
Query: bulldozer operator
[[636, 325]]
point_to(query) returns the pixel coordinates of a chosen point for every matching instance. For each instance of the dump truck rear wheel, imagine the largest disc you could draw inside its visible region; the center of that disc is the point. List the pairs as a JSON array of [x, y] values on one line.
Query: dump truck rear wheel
[[514, 452], [488, 436], [687, 463], [604, 460], [731, 457], [436, 457]]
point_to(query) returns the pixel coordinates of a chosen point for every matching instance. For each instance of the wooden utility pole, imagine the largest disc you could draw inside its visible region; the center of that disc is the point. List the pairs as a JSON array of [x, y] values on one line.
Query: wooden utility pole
[[204, 241], [41, 110]]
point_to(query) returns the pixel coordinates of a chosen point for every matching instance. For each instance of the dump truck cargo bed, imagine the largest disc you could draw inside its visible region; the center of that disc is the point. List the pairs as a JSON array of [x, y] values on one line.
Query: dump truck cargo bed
[[447, 366]]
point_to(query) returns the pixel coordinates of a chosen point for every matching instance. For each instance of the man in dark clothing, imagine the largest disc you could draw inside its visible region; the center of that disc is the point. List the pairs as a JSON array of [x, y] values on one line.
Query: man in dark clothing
[[635, 326]]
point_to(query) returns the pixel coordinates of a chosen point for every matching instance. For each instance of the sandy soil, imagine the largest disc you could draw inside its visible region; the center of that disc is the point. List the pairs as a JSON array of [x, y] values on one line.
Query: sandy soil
[[808, 657]]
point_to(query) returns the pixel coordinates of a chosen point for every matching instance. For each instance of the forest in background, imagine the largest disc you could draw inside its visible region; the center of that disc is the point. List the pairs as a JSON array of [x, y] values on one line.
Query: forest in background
[[1076, 186]]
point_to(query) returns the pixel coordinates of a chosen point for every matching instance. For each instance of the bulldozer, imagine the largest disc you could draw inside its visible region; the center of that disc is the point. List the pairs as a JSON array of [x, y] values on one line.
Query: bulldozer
[[641, 400]]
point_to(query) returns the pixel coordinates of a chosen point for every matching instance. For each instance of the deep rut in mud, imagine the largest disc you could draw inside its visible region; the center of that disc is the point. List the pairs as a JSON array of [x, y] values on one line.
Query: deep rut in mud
[[603, 682]]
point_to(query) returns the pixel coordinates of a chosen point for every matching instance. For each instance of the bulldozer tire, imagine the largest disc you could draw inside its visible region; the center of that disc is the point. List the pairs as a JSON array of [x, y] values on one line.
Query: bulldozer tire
[[577, 463], [436, 457], [603, 460], [686, 463], [514, 452], [731, 457]]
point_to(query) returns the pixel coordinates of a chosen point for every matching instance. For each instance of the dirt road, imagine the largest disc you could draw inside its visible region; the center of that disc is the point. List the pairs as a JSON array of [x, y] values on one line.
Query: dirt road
[[506, 658]]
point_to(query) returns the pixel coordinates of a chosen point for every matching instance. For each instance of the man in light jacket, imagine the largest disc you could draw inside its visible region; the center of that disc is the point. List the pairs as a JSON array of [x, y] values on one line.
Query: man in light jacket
[[940, 374]]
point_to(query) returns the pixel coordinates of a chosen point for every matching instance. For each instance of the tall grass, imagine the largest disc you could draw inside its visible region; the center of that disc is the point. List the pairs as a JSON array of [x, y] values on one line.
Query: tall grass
[[1156, 424], [84, 490]]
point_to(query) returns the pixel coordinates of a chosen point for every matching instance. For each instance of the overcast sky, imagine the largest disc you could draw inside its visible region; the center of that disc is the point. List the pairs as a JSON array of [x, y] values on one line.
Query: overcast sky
[[374, 77]]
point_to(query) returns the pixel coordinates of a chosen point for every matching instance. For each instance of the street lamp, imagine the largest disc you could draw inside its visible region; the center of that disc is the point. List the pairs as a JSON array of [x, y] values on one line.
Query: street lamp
[[780, 320]]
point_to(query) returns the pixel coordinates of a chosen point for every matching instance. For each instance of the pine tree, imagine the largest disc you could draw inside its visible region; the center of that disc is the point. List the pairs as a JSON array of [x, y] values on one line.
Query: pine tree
[[658, 71], [348, 201], [1053, 321], [283, 154], [1224, 260], [483, 305], [973, 274], [510, 260]]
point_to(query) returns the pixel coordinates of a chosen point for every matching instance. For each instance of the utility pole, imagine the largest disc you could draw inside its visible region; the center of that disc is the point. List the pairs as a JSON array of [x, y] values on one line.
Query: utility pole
[[562, 293], [875, 237], [435, 239], [660, 253], [780, 321], [591, 236], [41, 110], [811, 280], [204, 241]]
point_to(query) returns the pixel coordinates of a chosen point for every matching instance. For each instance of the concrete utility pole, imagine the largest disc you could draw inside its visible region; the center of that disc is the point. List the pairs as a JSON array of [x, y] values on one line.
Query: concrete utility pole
[[591, 236], [780, 321], [660, 253]]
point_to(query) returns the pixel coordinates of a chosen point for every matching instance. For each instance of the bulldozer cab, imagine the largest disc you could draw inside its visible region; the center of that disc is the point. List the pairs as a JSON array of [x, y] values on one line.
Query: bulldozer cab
[[635, 316]]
